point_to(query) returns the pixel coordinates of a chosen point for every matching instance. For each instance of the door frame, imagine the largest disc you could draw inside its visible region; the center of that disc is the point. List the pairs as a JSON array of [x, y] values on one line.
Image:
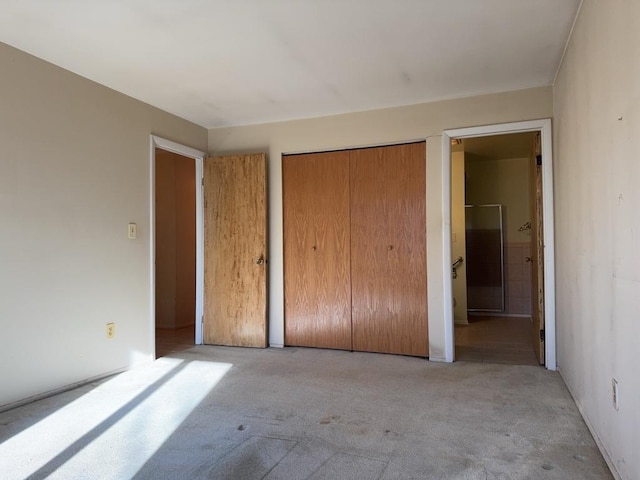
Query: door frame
[[544, 127], [198, 157]]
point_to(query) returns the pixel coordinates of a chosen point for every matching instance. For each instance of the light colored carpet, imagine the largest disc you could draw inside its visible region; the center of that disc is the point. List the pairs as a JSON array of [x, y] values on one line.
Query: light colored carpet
[[229, 413]]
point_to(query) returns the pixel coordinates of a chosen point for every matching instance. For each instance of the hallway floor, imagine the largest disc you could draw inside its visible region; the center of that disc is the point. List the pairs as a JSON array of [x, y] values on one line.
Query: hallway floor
[[492, 339], [169, 340], [294, 413]]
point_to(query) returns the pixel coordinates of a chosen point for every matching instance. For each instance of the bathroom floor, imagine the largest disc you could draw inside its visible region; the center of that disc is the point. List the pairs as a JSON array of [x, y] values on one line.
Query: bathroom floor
[[490, 339]]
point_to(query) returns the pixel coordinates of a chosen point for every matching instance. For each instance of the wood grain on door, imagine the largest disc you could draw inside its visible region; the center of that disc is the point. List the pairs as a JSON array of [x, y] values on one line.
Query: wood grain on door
[[317, 250], [235, 243], [388, 249]]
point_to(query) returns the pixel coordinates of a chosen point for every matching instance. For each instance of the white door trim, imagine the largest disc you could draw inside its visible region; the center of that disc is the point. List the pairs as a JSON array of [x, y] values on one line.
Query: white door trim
[[198, 156], [544, 127]]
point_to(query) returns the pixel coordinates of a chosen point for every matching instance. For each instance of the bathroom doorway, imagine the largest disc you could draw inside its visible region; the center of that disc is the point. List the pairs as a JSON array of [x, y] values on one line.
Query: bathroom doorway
[[495, 233]]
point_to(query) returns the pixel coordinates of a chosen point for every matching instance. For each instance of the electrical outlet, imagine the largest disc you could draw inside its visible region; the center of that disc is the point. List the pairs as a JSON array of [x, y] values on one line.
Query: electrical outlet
[[615, 393], [111, 330]]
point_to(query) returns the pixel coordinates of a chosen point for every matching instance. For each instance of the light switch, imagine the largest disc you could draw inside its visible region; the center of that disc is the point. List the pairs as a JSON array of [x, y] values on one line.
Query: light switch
[[133, 231]]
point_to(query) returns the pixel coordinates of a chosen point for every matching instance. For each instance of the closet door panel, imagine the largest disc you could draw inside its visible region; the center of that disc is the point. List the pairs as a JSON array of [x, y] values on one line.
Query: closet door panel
[[388, 249], [317, 279]]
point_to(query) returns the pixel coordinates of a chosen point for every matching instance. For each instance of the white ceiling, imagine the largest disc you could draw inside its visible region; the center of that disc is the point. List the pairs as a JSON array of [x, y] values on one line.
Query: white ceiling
[[236, 62]]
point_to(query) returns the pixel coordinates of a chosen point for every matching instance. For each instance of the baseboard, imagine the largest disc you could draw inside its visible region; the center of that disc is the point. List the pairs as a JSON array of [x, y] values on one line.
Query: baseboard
[[438, 359], [56, 391], [596, 438], [276, 345]]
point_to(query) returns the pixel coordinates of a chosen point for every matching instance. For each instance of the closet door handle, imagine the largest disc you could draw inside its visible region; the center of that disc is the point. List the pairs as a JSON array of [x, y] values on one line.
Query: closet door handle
[[314, 248], [260, 260]]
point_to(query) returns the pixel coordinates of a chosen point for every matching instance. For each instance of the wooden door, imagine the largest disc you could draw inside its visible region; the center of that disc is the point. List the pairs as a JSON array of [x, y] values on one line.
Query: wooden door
[[317, 279], [235, 270], [388, 249], [537, 251]]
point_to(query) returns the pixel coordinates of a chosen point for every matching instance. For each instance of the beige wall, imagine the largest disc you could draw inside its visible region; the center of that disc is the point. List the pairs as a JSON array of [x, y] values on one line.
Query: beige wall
[[74, 171], [175, 240], [597, 178], [505, 182], [373, 128]]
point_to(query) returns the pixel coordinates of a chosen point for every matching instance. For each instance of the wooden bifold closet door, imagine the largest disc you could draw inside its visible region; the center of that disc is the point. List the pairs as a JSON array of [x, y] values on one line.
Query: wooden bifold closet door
[[355, 250], [317, 280], [388, 250]]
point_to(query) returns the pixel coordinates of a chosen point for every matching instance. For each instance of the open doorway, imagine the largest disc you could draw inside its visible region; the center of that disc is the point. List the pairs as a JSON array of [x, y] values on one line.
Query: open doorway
[[493, 243], [175, 252], [171, 339], [545, 329]]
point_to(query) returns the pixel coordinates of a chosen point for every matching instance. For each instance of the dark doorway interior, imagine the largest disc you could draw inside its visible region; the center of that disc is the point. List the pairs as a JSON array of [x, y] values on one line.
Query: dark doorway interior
[[175, 224]]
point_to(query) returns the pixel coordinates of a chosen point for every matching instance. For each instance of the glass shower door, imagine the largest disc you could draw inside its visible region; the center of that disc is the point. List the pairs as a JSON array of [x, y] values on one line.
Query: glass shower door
[[485, 264]]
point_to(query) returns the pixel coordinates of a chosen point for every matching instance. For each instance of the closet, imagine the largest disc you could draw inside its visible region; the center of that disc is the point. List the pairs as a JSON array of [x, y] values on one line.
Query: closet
[[355, 249]]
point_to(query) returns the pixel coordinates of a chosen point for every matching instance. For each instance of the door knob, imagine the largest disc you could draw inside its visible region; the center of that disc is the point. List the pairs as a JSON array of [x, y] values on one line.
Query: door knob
[[314, 248], [390, 247], [260, 261]]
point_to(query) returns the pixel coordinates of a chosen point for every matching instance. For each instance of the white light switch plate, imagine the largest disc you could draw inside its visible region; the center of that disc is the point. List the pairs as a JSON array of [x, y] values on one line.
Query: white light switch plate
[[133, 231]]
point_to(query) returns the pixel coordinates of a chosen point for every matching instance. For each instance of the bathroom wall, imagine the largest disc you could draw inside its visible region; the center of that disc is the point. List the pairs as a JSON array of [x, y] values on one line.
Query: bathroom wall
[[505, 181]]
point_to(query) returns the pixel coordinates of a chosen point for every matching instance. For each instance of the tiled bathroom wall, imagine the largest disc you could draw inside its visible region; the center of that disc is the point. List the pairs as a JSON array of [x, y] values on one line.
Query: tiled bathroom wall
[[517, 273]]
